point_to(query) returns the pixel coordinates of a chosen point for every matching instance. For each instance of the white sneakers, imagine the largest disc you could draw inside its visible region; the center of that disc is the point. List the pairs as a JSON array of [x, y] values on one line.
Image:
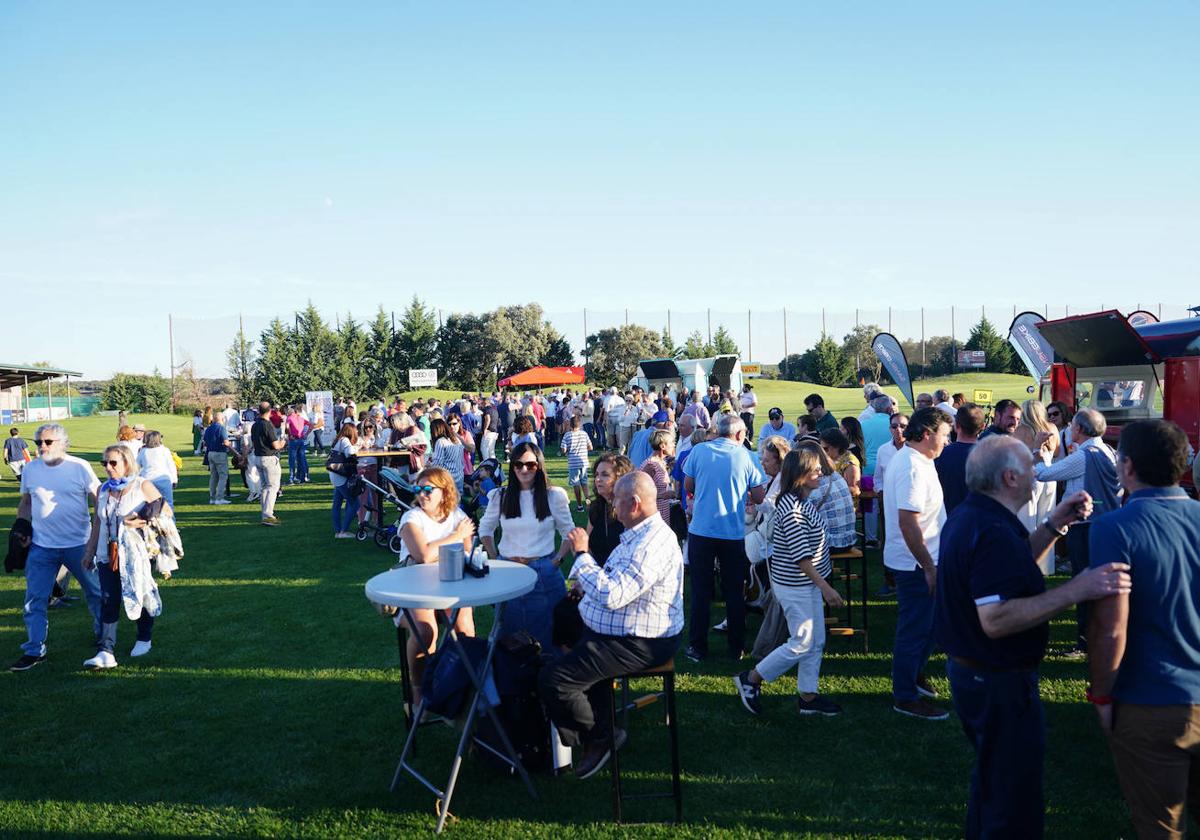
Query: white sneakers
[[219, 502], [103, 659], [140, 649], [343, 535]]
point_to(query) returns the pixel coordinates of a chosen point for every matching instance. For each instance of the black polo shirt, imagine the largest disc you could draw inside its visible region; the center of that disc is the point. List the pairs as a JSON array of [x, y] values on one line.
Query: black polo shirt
[[262, 435], [984, 558]]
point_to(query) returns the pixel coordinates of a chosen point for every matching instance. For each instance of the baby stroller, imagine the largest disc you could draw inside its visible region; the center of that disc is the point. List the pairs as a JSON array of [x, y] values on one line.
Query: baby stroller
[[394, 488]]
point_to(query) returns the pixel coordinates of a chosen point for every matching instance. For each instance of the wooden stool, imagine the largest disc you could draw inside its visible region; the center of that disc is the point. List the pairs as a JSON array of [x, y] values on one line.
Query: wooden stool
[[667, 672]]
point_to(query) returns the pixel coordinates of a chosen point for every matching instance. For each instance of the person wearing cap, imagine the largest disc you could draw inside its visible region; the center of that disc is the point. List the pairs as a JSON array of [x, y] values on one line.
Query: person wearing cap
[[640, 448], [776, 427]]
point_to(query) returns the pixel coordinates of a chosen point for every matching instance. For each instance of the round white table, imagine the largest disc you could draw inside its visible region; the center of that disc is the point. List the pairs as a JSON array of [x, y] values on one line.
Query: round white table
[[419, 588]]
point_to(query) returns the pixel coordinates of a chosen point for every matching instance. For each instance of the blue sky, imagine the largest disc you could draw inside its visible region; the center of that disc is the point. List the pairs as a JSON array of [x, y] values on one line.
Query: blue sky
[[215, 159]]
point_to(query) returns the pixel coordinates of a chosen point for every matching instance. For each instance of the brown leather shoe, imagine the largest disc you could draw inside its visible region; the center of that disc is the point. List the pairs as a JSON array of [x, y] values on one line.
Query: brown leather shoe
[[920, 708], [596, 755]]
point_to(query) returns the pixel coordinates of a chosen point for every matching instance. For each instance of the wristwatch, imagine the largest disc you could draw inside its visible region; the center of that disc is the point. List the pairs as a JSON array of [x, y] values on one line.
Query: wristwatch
[[1046, 523]]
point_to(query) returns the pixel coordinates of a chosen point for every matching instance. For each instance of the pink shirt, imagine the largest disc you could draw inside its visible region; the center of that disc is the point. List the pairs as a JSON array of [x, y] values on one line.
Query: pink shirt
[[295, 425]]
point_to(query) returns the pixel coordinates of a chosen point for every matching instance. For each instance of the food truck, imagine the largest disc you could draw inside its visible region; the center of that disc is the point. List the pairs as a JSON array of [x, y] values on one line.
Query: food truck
[[1125, 368], [689, 374]]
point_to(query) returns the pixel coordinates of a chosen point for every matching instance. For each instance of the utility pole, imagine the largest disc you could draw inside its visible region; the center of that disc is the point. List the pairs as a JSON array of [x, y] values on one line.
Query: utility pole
[[823, 331], [953, 343], [923, 336], [710, 327], [171, 339], [785, 352], [749, 338]]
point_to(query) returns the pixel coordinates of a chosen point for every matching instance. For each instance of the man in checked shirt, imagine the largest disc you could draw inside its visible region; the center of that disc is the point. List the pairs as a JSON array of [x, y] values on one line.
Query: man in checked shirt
[[632, 609]]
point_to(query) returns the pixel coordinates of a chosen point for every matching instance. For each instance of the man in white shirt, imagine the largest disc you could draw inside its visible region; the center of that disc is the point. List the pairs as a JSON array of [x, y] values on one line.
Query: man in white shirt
[[58, 495], [914, 515], [614, 407], [870, 391], [747, 405], [943, 402]]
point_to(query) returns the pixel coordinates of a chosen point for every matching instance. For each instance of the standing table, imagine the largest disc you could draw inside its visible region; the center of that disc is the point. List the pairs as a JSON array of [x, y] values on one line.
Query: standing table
[[418, 587]]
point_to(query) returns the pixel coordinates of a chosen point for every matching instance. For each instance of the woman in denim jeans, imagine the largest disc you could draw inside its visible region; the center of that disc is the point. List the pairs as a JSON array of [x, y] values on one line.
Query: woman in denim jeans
[[529, 511]]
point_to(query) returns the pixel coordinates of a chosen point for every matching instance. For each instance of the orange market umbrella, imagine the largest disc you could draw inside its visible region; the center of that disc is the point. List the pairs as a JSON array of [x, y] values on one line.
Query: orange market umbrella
[[542, 375]]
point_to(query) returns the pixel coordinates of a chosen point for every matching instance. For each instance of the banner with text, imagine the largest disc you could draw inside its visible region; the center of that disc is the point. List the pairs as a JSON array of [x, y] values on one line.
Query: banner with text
[[891, 355], [322, 402], [1031, 346], [422, 378]]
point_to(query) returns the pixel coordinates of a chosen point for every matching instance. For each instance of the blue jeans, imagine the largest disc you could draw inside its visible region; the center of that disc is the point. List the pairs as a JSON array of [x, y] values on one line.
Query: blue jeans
[[111, 608], [41, 568], [534, 611], [340, 495], [297, 460], [1002, 717], [914, 633], [163, 485]]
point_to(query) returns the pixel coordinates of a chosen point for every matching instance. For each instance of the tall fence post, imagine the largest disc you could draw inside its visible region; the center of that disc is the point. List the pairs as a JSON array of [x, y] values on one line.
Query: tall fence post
[[953, 342], [709, 326], [922, 338], [585, 335], [171, 338], [749, 338], [785, 350], [889, 319]]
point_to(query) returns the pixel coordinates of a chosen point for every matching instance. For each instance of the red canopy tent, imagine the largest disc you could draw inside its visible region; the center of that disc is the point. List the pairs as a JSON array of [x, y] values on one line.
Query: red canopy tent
[[542, 375]]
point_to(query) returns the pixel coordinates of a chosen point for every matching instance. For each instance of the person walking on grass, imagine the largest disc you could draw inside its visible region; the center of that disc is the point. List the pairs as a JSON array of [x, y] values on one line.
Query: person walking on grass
[[798, 563], [576, 445], [15, 452], [218, 447], [914, 515], [266, 442], [57, 494]]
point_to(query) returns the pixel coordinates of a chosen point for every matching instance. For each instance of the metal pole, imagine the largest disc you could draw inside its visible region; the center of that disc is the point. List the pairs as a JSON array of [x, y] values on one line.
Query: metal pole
[[669, 324], [393, 324], [922, 336], [785, 352], [585, 332], [171, 338], [749, 338], [953, 342], [49, 401], [823, 330], [1160, 312], [25, 393], [439, 319], [627, 317], [889, 319], [68, 395], [709, 326]]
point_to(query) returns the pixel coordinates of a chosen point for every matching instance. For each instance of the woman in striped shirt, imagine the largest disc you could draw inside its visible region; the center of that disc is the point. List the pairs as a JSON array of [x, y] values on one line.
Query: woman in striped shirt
[[798, 564]]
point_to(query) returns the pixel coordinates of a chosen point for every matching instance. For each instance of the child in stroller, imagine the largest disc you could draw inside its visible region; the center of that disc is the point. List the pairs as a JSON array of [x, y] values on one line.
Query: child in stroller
[[487, 477]]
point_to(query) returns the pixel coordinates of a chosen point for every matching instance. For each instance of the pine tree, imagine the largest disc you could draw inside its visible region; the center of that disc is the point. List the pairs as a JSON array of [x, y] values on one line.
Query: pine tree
[[317, 351], [383, 372], [353, 373], [696, 347], [277, 376], [416, 338], [671, 350], [827, 364], [723, 343], [998, 352], [240, 362]]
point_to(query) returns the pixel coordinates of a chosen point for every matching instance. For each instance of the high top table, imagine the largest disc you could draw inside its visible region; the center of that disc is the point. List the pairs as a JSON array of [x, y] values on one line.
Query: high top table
[[417, 588]]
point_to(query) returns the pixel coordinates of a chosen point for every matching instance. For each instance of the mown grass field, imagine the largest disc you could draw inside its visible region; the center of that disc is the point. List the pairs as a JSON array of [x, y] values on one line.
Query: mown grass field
[[270, 706]]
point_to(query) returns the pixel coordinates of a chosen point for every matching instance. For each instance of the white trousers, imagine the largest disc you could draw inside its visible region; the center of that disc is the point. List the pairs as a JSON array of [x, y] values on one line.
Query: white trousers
[[804, 611]]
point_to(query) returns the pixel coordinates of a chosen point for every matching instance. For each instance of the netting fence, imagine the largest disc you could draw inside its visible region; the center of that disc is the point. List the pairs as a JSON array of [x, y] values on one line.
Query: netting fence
[[764, 336]]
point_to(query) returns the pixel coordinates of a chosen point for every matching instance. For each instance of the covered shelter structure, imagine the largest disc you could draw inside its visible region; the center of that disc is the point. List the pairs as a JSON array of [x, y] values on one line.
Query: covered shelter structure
[[541, 375], [15, 381], [690, 374]]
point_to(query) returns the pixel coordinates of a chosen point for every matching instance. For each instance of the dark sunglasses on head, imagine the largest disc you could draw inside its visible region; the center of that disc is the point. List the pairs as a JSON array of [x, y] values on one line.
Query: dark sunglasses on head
[[525, 465], [44, 442], [425, 488]]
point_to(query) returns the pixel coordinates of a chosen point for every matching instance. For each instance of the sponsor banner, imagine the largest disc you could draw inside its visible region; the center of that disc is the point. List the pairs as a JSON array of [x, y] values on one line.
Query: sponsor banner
[[751, 370], [972, 359], [982, 397], [1030, 344], [891, 356], [322, 402], [422, 378], [1141, 317]]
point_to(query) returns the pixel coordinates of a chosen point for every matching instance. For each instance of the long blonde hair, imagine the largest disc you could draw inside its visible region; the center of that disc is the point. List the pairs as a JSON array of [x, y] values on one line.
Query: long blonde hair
[[1033, 415]]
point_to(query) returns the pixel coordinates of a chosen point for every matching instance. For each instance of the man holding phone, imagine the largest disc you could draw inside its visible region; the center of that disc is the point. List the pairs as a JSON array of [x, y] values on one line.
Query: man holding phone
[[58, 492]]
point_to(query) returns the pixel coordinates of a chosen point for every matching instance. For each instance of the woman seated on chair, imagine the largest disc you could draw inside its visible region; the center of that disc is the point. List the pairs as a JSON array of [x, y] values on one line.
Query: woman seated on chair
[[436, 521]]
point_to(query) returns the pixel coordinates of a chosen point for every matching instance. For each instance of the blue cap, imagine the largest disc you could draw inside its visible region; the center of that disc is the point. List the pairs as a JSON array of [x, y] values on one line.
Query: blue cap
[[660, 417]]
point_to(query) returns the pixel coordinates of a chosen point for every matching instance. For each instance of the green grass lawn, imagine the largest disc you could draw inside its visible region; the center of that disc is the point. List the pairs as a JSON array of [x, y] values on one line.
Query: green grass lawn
[[270, 705]]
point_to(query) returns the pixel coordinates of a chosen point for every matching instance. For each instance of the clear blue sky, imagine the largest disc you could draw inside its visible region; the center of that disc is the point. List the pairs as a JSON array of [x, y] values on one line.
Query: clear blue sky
[[207, 159]]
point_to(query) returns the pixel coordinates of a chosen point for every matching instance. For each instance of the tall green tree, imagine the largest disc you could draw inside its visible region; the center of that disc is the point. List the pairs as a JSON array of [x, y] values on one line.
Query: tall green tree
[[827, 364], [999, 355], [382, 369], [671, 350], [416, 338], [317, 350], [695, 347], [856, 344], [240, 362], [792, 368], [522, 337], [558, 351], [278, 376], [468, 352], [354, 372], [723, 343], [613, 353]]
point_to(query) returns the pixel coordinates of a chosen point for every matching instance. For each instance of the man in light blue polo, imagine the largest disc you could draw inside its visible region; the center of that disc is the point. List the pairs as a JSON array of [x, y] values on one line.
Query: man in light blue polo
[[719, 475]]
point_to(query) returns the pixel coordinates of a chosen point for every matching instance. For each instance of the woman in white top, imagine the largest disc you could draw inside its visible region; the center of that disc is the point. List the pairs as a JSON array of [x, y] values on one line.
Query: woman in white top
[[117, 549], [529, 510], [368, 468], [436, 521], [1035, 420], [156, 464], [448, 448], [346, 446]]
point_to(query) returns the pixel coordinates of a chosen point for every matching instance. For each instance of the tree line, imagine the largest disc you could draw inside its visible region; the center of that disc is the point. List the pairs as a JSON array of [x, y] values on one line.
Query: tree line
[[473, 351]]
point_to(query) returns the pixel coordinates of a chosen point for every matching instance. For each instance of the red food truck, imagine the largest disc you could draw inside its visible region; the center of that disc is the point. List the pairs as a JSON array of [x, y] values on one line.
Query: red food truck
[[1125, 368]]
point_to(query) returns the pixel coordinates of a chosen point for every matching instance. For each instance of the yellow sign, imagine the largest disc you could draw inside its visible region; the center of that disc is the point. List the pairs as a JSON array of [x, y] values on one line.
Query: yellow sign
[[751, 371], [983, 397]]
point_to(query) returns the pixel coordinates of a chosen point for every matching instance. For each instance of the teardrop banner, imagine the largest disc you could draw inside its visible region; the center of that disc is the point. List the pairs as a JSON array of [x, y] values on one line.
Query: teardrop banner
[[1031, 346], [891, 355], [1140, 317]]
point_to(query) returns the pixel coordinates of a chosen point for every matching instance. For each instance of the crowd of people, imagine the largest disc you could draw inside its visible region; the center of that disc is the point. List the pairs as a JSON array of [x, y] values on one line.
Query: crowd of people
[[969, 512]]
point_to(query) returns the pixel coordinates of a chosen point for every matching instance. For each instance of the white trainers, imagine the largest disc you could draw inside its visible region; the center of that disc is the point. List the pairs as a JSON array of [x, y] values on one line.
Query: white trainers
[[221, 502], [140, 649], [103, 659]]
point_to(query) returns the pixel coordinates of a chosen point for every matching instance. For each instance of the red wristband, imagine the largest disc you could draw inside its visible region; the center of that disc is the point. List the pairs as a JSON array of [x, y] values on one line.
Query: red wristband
[[1105, 700]]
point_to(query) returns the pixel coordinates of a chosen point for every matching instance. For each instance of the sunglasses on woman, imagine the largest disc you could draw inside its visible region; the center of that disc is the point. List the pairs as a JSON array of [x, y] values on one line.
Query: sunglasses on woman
[[525, 465], [425, 489], [110, 463]]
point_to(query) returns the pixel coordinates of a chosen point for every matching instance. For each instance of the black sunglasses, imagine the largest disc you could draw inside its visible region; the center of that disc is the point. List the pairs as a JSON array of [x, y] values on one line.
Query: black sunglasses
[[110, 463], [525, 465], [44, 442]]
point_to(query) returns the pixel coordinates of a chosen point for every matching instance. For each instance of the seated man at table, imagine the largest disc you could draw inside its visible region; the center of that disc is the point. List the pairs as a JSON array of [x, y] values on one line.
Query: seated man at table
[[632, 608]]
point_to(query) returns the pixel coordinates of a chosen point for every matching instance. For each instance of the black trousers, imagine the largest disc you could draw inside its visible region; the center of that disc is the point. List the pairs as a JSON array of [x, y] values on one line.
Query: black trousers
[[703, 554], [577, 688]]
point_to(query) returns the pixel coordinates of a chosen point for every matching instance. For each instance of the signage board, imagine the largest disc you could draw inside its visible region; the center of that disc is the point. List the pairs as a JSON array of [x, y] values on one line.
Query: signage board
[[422, 378], [751, 371], [972, 359], [982, 397]]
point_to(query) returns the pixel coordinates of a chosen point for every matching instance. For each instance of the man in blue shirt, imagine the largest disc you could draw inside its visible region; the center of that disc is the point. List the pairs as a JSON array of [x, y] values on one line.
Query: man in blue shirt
[[992, 618], [952, 463], [1145, 645], [718, 475]]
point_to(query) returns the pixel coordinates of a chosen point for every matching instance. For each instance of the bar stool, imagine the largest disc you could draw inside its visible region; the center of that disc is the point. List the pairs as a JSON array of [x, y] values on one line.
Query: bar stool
[[665, 671]]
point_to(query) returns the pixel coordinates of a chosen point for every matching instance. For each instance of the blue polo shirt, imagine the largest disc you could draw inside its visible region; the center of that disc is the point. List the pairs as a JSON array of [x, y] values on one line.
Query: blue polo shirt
[[951, 468], [639, 447], [877, 430], [215, 436], [1157, 533], [723, 472], [984, 558]]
